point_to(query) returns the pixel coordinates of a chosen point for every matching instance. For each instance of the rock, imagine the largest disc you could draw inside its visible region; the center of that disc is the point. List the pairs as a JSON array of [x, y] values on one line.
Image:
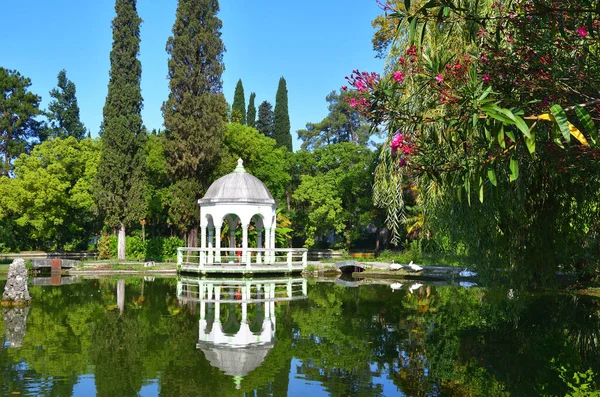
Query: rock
[[16, 291]]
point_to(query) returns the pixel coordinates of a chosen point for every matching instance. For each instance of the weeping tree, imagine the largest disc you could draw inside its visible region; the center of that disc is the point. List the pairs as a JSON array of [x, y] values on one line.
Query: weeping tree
[[196, 110], [492, 115], [120, 180]]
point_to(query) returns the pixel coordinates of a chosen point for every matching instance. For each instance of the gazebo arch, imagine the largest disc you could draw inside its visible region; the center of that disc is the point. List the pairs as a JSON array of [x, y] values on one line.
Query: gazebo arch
[[239, 198]]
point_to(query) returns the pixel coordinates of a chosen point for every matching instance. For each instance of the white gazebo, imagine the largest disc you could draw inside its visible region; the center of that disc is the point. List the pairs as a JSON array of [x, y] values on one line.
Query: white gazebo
[[238, 344], [239, 199]]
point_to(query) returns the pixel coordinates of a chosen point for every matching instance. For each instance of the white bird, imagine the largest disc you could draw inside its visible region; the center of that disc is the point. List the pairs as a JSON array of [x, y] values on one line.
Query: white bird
[[395, 266], [414, 268], [467, 284], [467, 273], [395, 286], [414, 287]]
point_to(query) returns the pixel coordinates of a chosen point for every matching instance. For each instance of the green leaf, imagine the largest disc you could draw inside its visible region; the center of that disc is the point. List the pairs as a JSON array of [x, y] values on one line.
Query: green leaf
[[492, 176], [522, 125], [510, 134], [485, 94], [411, 29], [480, 189], [514, 169], [561, 121], [530, 142], [587, 122], [407, 5], [500, 136], [556, 136]]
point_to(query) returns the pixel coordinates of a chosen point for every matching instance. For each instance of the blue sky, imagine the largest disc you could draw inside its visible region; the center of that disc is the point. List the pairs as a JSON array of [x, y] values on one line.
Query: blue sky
[[312, 43]]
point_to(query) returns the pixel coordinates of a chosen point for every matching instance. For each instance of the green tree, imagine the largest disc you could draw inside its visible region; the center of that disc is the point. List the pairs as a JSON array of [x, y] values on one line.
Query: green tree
[[281, 119], [51, 194], [334, 193], [63, 112], [120, 179], [18, 108], [262, 157], [251, 115], [343, 124], [264, 124], [196, 109], [238, 109]]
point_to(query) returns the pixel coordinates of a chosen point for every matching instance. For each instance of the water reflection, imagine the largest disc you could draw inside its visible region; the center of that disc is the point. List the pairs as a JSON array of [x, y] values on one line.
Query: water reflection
[[237, 318], [15, 321]]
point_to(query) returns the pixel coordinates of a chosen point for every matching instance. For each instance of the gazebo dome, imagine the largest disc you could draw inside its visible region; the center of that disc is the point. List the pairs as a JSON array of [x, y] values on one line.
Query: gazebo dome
[[238, 187]]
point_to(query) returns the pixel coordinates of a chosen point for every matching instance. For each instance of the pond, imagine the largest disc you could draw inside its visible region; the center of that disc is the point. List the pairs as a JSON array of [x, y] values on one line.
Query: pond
[[294, 337]]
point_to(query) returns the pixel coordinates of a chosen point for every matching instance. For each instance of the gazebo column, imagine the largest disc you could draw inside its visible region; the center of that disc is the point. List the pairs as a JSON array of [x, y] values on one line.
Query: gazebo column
[[259, 244], [273, 228], [217, 245], [245, 253], [202, 245], [211, 236], [267, 244], [231, 243]]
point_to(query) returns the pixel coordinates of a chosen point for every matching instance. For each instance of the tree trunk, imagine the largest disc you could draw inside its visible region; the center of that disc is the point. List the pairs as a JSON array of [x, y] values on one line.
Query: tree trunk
[[193, 237], [121, 245]]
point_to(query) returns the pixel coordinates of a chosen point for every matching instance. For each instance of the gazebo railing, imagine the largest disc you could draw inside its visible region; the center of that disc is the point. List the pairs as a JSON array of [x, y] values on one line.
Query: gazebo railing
[[203, 259]]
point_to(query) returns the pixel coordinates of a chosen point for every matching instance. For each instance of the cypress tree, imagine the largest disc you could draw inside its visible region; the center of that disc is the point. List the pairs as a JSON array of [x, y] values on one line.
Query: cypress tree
[[196, 110], [120, 177], [238, 109], [282, 117], [251, 116], [63, 111], [264, 124]]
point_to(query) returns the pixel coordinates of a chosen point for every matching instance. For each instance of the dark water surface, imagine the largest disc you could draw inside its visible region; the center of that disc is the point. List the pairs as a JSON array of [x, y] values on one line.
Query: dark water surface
[[292, 337]]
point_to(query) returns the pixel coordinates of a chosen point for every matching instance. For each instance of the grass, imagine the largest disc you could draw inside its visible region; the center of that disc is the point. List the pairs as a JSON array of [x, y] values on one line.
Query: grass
[[427, 259]]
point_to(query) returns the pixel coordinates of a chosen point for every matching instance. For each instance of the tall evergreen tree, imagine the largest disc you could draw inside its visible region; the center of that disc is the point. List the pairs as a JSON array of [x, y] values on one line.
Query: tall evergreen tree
[[63, 111], [196, 110], [120, 177], [282, 117], [18, 107], [251, 116], [238, 109], [264, 124]]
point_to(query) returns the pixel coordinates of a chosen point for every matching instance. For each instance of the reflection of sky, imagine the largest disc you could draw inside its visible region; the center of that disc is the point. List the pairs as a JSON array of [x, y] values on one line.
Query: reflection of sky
[[300, 386], [86, 386]]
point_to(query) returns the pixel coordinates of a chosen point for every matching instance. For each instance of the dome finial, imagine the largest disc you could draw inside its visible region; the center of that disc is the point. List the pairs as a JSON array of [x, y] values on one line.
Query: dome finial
[[240, 166]]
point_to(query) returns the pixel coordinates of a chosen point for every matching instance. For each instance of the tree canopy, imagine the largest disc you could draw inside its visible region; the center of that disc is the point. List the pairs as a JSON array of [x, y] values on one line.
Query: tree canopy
[[119, 189], [18, 108], [251, 115], [264, 124], [238, 109], [483, 99], [63, 111], [196, 109], [281, 117]]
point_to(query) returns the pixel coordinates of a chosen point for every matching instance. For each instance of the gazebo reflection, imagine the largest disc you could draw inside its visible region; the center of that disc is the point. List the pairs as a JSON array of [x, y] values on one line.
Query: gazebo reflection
[[237, 318]]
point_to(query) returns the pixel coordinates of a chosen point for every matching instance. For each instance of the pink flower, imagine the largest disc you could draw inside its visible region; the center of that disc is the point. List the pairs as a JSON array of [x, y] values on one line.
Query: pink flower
[[360, 86], [439, 78], [582, 31], [353, 102], [484, 59], [486, 78], [402, 162], [396, 142], [344, 87], [399, 77]]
